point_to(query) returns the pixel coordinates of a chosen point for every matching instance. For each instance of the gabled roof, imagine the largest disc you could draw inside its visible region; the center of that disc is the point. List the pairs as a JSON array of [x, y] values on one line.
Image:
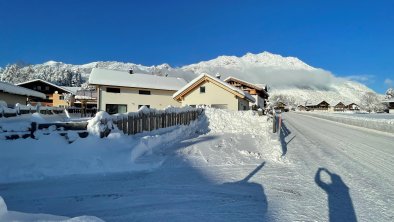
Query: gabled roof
[[315, 102], [108, 77], [204, 77], [260, 87], [13, 89], [49, 83]]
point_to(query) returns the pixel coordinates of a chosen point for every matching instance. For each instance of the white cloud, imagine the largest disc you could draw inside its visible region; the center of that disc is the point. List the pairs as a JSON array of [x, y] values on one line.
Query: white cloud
[[361, 78], [388, 82]]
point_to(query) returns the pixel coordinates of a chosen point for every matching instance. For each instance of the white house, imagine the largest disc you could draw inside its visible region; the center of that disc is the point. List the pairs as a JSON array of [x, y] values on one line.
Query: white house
[[126, 91], [211, 91]]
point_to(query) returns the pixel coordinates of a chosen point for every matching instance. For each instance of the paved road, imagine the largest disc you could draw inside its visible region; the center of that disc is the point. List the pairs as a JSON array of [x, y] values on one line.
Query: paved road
[[363, 160]]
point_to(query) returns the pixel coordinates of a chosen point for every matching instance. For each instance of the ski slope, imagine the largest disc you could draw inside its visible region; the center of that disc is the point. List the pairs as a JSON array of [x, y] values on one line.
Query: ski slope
[[227, 167]]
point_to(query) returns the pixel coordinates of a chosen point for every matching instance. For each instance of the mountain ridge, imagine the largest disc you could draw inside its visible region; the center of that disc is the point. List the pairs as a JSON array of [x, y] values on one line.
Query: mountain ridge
[[285, 75]]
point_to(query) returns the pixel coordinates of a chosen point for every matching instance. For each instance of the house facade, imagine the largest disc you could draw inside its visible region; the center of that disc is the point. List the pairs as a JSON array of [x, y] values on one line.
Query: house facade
[[126, 91], [12, 94], [258, 91], [53, 93], [318, 106], [210, 91], [390, 104]]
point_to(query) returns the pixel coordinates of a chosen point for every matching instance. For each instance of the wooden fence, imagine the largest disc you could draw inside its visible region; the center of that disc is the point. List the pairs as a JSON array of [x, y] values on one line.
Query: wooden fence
[[134, 123]]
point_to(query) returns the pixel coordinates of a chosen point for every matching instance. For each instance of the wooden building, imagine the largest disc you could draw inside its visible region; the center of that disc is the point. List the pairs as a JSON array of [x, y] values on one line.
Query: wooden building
[[53, 93], [353, 107], [258, 91], [318, 106], [281, 106], [339, 107], [12, 94]]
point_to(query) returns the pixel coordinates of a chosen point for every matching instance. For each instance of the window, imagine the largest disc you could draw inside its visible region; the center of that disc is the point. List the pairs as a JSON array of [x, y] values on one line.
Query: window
[[61, 97], [139, 106], [46, 88], [202, 89], [38, 87], [144, 92], [219, 106], [113, 90], [115, 108]]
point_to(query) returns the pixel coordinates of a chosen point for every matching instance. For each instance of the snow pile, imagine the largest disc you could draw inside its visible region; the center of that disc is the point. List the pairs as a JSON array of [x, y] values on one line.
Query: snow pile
[[369, 121], [13, 216], [100, 123], [246, 124]]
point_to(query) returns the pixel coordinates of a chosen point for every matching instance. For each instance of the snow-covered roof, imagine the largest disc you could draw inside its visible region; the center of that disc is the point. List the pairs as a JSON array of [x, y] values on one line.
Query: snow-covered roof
[[391, 100], [221, 82], [136, 80], [72, 89], [255, 86], [49, 83], [13, 89]]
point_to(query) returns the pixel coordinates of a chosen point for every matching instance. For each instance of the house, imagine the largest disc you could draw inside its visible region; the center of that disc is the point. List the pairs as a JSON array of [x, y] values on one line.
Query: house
[[339, 107], [301, 108], [317, 106], [126, 91], [390, 104], [281, 106], [258, 91], [12, 94], [211, 91], [353, 107], [54, 94]]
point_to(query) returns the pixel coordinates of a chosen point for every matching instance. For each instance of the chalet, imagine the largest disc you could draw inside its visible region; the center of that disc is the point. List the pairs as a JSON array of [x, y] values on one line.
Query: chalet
[[211, 91], [301, 108], [281, 106], [318, 106], [352, 107], [126, 91], [390, 104], [54, 94], [12, 94], [258, 91], [339, 107]]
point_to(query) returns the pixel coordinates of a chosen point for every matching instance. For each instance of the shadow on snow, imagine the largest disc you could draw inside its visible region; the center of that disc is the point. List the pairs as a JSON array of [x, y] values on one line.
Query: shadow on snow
[[177, 191], [339, 200]]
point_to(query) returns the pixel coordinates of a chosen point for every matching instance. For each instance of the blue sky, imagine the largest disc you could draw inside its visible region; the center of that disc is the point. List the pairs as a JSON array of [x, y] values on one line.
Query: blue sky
[[348, 38]]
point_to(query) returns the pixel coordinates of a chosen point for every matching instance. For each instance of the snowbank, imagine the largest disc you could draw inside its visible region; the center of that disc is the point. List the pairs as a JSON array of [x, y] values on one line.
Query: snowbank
[[52, 156], [6, 215], [380, 124]]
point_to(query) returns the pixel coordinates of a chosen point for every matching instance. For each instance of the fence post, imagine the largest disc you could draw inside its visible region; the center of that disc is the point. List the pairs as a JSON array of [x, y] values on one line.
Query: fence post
[[273, 122], [33, 129]]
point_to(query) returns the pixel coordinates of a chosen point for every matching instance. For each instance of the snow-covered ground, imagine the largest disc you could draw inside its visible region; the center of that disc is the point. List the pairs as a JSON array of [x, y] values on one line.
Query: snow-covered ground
[[227, 166], [380, 122]]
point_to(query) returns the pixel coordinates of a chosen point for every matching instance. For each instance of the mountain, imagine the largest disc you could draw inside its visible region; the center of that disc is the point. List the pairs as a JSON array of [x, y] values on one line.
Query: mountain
[[286, 76]]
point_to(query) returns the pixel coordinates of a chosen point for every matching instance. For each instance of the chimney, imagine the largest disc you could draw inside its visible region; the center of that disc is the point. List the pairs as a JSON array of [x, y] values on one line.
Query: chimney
[[217, 75], [131, 71]]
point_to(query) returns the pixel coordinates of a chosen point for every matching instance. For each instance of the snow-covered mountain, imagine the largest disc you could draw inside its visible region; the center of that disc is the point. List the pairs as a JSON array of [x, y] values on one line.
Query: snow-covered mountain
[[285, 75]]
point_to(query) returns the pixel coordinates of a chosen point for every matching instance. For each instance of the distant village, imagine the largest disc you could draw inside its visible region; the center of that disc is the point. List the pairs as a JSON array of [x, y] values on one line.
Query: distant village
[[125, 91]]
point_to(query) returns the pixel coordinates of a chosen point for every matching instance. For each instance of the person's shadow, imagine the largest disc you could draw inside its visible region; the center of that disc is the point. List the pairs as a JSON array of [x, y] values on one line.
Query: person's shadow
[[339, 200]]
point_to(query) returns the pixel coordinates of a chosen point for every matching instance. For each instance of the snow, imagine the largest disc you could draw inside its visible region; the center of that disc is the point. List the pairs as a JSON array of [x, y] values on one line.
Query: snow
[[13, 89], [380, 122], [13, 216], [227, 166], [284, 75], [136, 80], [191, 83]]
